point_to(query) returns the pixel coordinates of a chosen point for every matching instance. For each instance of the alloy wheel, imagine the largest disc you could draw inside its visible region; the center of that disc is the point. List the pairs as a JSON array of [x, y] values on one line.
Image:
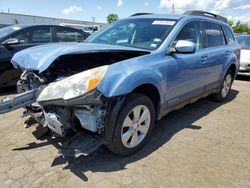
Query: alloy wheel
[[226, 85], [135, 126]]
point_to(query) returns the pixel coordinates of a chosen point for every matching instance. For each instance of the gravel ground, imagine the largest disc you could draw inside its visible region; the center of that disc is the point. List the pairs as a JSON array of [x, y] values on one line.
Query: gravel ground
[[205, 144]]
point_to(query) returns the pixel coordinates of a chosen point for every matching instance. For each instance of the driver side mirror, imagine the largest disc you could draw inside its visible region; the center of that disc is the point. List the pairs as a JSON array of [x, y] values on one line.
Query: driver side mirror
[[184, 46], [11, 41]]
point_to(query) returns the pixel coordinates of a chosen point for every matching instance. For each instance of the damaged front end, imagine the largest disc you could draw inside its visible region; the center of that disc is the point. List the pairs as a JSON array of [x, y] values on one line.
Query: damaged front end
[[87, 112], [80, 111], [66, 104], [74, 97], [85, 116], [60, 91]]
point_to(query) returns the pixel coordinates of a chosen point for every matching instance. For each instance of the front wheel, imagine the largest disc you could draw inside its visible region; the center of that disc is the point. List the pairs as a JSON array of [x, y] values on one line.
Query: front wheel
[[134, 125], [225, 87]]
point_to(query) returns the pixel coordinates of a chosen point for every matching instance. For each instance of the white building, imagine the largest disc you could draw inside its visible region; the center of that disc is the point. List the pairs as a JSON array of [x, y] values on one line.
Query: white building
[[10, 19]]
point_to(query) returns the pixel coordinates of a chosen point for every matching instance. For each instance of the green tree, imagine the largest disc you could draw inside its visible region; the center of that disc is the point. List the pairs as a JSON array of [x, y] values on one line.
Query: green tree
[[112, 17], [230, 22], [239, 27]]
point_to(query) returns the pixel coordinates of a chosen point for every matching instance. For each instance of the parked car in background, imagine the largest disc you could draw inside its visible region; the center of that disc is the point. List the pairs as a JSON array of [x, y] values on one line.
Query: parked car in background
[[88, 29], [123, 78], [91, 29], [18, 37], [244, 41]]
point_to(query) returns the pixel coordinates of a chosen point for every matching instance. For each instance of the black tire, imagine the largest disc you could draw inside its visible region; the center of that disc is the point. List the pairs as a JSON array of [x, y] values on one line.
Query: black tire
[[133, 100], [219, 97]]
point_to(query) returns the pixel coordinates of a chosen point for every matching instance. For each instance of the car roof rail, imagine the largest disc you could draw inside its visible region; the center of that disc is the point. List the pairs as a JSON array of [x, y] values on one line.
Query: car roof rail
[[140, 14], [207, 14]]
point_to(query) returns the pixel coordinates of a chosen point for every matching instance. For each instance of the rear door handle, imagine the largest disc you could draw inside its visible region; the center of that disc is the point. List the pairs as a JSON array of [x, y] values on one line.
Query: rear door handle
[[204, 59], [227, 53]]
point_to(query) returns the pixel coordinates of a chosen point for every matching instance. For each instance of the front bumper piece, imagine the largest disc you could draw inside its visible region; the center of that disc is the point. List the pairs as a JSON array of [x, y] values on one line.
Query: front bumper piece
[[80, 143], [20, 101]]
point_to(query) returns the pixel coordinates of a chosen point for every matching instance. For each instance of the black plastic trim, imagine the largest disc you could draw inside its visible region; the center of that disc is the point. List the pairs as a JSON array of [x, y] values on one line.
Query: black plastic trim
[[206, 14], [113, 111]]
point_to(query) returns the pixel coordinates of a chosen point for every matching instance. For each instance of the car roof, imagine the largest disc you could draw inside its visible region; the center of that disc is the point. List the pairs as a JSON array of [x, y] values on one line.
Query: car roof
[[175, 17], [159, 16], [35, 25]]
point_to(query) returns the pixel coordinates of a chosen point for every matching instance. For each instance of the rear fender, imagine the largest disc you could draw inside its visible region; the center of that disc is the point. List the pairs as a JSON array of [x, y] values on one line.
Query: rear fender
[[233, 58]]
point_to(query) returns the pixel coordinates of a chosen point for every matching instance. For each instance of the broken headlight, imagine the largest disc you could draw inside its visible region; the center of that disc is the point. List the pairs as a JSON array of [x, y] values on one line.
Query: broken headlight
[[73, 86]]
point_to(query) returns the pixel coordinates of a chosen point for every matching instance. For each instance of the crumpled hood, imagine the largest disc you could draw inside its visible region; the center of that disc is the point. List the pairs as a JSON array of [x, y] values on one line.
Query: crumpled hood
[[39, 58]]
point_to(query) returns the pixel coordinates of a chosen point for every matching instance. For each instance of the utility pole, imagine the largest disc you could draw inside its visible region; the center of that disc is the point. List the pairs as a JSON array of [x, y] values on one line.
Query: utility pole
[[93, 19], [173, 9]]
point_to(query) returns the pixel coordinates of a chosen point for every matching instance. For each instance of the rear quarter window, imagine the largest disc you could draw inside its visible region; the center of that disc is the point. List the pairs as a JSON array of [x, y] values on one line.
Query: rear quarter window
[[229, 35], [214, 35]]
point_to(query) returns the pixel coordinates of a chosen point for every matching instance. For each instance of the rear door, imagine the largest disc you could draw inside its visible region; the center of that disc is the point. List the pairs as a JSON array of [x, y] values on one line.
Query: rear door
[[186, 72], [217, 52]]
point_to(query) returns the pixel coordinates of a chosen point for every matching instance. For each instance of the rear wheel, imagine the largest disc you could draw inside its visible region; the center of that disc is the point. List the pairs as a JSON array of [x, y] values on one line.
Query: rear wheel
[[134, 125], [225, 87]]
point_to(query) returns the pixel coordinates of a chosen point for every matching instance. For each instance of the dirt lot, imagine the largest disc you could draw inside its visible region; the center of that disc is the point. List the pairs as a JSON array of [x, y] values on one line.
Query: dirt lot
[[205, 144]]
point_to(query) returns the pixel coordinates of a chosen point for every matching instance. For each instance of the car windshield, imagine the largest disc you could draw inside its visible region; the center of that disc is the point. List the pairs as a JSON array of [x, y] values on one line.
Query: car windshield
[[138, 33], [7, 30], [244, 42]]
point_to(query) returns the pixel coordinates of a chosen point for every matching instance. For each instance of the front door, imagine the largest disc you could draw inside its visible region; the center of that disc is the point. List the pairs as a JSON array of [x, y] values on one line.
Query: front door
[[28, 38], [186, 72]]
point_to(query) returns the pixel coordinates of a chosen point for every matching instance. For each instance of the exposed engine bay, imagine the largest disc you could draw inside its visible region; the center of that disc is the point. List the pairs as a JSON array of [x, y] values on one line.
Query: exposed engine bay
[[74, 63], [71, 64]]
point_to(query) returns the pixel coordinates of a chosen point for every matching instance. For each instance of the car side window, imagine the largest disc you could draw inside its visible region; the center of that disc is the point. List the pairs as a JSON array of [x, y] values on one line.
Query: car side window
[[229, 35], [68, 35], [214, 35], [41, 35], [24, 37], [37, 35], [191, 32]]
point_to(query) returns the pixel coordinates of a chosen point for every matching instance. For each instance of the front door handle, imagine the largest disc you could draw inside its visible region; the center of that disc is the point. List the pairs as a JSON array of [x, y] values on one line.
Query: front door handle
[[204, 59]]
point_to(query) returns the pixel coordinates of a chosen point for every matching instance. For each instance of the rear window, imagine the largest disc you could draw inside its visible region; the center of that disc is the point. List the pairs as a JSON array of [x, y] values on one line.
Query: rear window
[[229, 35], [214, 35], [68, 35], [244, 42]]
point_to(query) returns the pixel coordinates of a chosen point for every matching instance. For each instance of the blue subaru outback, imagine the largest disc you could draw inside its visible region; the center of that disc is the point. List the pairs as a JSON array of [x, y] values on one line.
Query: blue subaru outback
[[113, 87]]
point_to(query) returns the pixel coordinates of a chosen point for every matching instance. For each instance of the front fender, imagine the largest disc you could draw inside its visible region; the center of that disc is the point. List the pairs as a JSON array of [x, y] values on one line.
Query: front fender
[[125, 82]]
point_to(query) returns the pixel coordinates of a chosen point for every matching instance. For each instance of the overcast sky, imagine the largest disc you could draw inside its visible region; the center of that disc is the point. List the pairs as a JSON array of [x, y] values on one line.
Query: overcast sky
[[86, 9]]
